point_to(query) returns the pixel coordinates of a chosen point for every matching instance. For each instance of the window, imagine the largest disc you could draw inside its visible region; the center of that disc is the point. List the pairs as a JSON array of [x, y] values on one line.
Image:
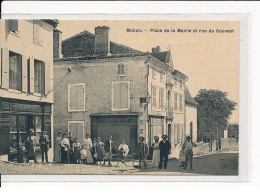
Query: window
[[76, 97], [121, 69], [15, 71], [161, 98], [121, 95], [77, 129], [28, 76], [175, 101], [154, 100], [39, 77], [13, 25], [153, 73], [180, 103], [180, 85], [161, 77], [175, 82], [37, 33]]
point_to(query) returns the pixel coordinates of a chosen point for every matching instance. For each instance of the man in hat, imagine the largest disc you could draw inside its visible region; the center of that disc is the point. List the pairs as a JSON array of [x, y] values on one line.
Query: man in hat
[[188, 151], [31, 146], [142, 151], [109, 147], [164, 147], [44, 144]]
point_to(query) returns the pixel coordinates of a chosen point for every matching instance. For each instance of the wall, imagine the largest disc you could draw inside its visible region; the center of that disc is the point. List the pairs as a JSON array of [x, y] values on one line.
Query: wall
[[229, 144], [98, 76], [191, 116], [23, 44]]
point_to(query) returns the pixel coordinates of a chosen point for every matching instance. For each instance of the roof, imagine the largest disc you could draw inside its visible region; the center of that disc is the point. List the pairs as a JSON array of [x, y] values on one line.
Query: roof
[[162, 56], [82, 44], [52, 22], [188, 98], [179, 74]]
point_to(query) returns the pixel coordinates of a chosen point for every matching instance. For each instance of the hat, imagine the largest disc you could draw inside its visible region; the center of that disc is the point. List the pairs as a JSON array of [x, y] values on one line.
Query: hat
[[164, 136], [188, 137], [99, 137], [31, 130], [156, 137], [59, 132], [141, 137]]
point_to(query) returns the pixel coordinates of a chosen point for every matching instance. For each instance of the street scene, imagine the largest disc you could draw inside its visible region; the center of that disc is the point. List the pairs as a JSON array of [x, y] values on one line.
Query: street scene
[[151, 97]]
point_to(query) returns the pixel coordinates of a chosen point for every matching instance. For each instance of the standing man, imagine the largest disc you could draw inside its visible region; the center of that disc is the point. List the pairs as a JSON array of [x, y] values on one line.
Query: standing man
[[109, 146], [142, 151], [188, 151], [164, 147], [71, 147], [65, 147], [44, 142]]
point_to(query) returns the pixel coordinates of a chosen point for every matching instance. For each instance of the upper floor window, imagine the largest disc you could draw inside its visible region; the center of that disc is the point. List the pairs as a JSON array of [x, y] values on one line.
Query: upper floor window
[[161, 77], [15, 71], [37, 33], [39, 77], [175, 101], [154, 100], [121, 95], [180, 103], [153, 73], [121, 69], [76, 97], [161, 98], [180, 84], [13, 27], [175, 82]]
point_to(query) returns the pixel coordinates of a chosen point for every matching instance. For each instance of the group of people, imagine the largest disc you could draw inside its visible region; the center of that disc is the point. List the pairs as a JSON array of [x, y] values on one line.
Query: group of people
[[69, 150], [161, 152]]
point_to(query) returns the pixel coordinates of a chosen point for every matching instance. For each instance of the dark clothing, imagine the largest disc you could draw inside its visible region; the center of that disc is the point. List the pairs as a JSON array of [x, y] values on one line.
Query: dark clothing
[[65, 159], [164, 152], [108, 147], [142, 153], [71, 154], [188, 154], [44, 141]]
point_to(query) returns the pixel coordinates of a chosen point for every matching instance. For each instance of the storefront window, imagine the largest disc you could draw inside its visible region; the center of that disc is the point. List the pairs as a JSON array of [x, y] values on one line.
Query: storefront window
[[13, 133], [22, 131], [38, 128]]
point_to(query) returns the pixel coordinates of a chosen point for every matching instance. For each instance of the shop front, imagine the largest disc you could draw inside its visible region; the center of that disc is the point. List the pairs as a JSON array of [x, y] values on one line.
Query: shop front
[[16, 119]]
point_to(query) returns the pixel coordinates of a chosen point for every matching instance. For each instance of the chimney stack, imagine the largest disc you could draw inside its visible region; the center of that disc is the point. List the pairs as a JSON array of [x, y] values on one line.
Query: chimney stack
[[156, 49], [102, 41], [57, 44]]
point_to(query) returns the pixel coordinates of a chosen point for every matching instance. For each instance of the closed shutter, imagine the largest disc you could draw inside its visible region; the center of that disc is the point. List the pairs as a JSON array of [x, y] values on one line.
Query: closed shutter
[[24, 74], [73, 129], [178, 133], [1, 64], [80, 97], [73, 100], [42, 81], [80, 132], [5, 69], [116, 96], [32, 75], [48, 78], [124, 95]]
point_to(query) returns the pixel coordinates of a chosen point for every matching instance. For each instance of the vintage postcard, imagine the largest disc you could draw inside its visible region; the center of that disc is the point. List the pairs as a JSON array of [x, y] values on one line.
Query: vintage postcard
[[119, 97]]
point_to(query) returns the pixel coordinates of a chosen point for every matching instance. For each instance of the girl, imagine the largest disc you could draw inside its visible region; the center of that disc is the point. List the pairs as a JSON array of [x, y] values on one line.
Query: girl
[[76, 151], [83, 155], [100, 150], [94, 151]]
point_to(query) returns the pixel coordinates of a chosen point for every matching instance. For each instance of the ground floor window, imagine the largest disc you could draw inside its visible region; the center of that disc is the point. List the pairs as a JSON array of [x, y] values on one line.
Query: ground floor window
[[77, 130], [178, 133], [157, 128]]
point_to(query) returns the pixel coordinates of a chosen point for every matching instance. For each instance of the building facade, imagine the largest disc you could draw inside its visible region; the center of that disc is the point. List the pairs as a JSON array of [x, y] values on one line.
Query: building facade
[[26, 77], [114, 89]]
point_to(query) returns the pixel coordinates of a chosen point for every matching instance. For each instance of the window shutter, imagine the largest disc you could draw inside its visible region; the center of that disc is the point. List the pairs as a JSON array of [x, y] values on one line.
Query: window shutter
[[13, 25], [48, 78], [80, 132], [116, 96], [24, 74], [32, 75], [5, 69], [73, 129], [124, 95], [1, 64], [73, 97], [80, 97]]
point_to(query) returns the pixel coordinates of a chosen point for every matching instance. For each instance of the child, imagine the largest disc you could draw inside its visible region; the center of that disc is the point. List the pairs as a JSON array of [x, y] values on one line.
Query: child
[[94, 151], [83, 155]]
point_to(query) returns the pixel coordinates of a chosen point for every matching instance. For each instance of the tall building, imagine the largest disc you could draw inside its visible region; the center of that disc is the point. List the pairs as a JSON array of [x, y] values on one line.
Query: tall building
[[117, 90], [26, 79]]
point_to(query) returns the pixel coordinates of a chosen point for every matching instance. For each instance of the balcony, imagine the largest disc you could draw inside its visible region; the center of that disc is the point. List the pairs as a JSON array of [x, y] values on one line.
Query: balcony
[[169, 113]]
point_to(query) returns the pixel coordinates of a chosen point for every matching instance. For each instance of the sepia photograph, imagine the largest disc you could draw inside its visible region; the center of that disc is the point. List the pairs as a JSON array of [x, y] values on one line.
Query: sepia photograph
[[119, 97]]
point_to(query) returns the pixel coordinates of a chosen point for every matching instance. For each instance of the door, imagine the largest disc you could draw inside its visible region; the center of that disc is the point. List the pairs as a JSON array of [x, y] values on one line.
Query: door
[[76, 128]]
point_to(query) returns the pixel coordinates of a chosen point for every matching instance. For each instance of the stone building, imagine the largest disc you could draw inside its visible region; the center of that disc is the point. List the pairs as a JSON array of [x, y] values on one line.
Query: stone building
[[26, 77], [114, 89]]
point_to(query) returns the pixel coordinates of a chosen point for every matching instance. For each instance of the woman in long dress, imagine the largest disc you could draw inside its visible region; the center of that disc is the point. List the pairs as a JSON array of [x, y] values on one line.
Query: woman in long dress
[[156, 152], [100, 150], [76, 151], [57, 148], [88, 145]]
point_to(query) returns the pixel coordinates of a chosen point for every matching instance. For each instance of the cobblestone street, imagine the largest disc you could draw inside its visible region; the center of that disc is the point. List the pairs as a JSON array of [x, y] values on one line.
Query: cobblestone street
[[225, 163]]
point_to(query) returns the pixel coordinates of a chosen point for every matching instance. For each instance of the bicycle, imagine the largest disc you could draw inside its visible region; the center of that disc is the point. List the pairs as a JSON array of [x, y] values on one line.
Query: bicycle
[[126, 160]]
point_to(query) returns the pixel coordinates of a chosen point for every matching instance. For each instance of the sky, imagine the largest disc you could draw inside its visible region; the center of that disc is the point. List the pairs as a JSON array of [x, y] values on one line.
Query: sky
[[209, 59]]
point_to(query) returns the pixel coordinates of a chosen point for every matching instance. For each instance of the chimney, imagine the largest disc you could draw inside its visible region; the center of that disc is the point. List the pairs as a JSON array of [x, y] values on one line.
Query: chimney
[[156, 49], [102, 42], [57, 44]]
